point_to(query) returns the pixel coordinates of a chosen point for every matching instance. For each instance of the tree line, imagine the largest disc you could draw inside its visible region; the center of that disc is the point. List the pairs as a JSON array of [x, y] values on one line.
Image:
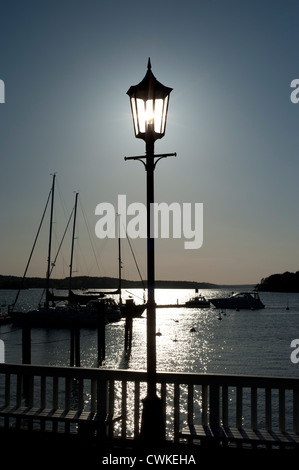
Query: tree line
[[286, 282]]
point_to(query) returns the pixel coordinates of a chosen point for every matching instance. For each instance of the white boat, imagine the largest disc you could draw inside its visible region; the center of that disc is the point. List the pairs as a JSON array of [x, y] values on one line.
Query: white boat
[[198, 301], [238, 301]]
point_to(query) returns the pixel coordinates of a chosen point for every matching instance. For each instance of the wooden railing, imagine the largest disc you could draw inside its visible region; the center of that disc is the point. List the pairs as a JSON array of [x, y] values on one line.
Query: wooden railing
[[230, 400]]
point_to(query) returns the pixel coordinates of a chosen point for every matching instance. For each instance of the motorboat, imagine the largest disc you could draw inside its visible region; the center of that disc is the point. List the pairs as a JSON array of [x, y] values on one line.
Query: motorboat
[[198, 301], [240, 300]]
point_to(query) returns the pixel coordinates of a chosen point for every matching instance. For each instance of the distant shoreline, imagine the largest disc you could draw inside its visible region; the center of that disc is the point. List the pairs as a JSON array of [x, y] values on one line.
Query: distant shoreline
[[87, 282]]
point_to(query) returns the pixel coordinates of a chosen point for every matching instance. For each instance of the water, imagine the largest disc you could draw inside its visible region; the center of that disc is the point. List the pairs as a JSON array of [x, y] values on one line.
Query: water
[[244, 342]]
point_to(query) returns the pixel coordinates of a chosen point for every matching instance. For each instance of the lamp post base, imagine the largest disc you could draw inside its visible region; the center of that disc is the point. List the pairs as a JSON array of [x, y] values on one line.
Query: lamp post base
[[152, 424]]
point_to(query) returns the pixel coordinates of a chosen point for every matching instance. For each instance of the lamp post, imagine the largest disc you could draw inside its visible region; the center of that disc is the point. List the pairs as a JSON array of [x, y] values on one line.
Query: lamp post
[[149, 105]]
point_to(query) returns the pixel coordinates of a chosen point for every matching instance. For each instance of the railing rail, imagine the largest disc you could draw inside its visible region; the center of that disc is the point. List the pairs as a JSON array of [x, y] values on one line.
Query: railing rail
[[230, 400]]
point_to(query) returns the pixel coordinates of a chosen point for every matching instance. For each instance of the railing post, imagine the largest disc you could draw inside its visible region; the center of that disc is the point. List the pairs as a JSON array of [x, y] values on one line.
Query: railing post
[[55, 401], [124, 409], [102, 404], [42, 398], [81, 394], [268, 406], [176, 411], [282, 409], [111, 398], [7, 396], [254, 408], [43, 391], [296, 410], [239, 407], [93, 396], [67, 400], [19, 389], [204, 417], [214, 405], [136, 409], [163, 400], [190, 404], [67, 396], [225, 405], [7, 389], [102, 396]]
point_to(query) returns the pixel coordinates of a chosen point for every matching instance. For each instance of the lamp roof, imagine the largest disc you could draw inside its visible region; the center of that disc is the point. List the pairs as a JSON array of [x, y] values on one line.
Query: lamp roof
[[149, 87]]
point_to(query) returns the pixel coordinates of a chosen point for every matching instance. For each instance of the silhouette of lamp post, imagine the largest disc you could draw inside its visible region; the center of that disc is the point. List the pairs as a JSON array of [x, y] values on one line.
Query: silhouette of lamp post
[[149, 105]]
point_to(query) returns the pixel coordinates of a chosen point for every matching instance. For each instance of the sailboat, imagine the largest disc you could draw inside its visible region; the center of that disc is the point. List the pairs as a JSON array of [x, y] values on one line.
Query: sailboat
[[80, 308], [129, 307], [72, 297]]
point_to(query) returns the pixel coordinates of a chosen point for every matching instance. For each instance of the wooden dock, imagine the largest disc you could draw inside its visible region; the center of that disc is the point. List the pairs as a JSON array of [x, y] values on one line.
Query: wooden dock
[[171, 306], [180, 306]]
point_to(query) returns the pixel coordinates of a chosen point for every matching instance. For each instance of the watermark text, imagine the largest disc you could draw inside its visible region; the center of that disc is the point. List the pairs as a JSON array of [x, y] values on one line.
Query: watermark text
[[295, 353], [151, 459], [2, 351], [173, 220], [295, 93], [2, 92]]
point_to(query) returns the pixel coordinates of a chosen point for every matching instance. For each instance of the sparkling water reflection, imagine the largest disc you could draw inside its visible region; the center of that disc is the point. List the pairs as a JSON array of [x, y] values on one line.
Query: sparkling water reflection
[[190, 340]]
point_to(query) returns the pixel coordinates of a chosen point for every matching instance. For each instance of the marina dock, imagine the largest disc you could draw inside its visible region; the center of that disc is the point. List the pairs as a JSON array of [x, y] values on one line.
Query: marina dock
[[177, 306]]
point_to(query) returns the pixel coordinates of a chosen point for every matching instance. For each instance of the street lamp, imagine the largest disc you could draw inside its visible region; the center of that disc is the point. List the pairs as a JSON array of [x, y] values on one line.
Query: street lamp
[[149, 105]]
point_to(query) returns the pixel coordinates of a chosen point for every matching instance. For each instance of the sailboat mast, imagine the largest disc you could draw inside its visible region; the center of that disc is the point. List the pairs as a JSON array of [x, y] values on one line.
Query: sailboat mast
[[50, 240], [73, 239]]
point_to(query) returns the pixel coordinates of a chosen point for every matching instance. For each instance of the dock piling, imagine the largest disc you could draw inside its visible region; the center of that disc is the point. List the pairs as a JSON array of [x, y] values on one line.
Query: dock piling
[[101, 323], [128, 331], [26, 344], [75, 343]]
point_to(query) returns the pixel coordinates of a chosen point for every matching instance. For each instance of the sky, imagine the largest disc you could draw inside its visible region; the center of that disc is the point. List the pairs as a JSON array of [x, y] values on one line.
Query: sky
[[67, 65]]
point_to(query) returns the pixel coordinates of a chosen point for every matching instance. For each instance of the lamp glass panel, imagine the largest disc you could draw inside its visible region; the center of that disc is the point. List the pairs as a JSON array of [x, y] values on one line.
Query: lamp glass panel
[[134, 111], [149, 114], [163, 123], [158, 115], [141, 115]]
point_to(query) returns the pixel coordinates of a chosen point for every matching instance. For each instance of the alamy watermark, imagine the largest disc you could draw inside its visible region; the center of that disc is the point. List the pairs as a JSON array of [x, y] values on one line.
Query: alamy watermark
[[2, 92], [168, 220], [2, 351], [295, 353], [295, 93]]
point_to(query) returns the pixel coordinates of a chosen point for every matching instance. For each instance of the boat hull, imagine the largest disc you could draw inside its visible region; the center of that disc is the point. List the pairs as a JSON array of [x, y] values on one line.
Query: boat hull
[[53, 318], [198, 302], [63, 317], [192, 304], [132, 310], [239, 302]]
